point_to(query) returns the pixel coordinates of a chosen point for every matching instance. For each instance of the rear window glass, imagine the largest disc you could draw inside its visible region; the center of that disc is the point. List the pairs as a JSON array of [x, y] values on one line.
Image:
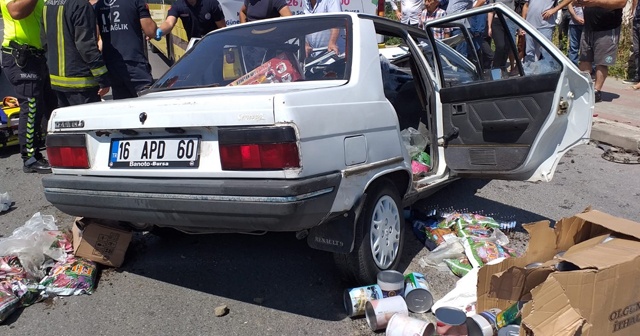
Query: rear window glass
[[283, 51]]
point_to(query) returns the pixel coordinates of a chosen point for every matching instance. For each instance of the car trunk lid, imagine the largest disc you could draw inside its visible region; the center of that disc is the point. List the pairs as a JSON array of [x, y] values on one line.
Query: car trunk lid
[[201, 109]]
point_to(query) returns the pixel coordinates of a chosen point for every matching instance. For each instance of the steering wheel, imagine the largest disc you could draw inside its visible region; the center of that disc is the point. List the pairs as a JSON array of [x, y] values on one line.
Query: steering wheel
[[323, 64]]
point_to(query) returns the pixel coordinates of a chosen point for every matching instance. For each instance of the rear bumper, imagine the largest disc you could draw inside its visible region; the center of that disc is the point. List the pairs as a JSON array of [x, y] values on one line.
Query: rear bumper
[[198, 204]]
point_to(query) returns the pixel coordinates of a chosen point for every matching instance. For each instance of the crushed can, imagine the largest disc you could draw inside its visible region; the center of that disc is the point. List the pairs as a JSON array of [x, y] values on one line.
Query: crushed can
[[401, 325], [379, 312]]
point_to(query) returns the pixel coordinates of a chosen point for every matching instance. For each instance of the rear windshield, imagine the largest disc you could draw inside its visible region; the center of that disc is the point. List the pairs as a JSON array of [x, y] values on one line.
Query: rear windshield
[[283, 51]]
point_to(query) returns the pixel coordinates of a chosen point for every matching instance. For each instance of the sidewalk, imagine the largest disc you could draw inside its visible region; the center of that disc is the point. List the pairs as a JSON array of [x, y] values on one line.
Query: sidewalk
[[617, 120]]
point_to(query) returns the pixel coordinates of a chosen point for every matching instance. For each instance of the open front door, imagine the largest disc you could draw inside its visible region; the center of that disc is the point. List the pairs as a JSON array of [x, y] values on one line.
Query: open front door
[[500, 118]]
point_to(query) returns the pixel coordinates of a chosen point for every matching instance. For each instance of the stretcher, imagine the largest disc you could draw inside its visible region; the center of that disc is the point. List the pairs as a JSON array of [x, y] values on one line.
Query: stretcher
[[9, 117]]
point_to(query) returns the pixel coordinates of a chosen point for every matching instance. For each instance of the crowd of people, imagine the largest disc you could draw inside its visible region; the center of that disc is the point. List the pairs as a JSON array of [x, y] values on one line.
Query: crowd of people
[[593, 31]]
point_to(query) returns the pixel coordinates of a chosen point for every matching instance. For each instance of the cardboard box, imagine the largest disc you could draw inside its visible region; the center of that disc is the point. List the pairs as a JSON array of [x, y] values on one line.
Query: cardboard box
[[600, 295], [104, 244], [279, 69]]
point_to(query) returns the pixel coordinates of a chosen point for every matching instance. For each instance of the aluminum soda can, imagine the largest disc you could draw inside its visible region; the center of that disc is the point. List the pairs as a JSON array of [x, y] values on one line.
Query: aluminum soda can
[[391, 283], [417, 293], [509, 330], [356, 298], [478, 325], [510, 315], [400, 325], [379, 312]]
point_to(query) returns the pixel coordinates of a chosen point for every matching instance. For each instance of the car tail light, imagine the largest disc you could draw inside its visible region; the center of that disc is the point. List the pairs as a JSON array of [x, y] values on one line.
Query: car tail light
[[260, 148], [67, 151]]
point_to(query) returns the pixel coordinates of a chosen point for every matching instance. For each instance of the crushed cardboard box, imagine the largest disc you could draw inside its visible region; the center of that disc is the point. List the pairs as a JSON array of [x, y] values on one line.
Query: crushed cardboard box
[[600, 295], [104, 244]]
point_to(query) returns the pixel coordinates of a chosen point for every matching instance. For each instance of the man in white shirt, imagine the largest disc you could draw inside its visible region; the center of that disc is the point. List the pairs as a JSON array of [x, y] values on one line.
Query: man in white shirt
[[411, 10], [332, 39]]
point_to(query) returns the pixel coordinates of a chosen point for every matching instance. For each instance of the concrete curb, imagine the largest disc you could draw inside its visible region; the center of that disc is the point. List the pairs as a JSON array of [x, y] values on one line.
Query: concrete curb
[[616, 134]]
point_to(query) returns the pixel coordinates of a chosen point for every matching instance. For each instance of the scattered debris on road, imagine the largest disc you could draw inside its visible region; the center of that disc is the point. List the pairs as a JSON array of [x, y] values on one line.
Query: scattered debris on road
[[619, 155], [542, 292], [39, 261], [221, 311], [5, 201]]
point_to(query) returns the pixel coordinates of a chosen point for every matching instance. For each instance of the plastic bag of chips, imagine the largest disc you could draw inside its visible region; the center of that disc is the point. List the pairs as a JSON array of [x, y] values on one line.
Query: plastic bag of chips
[[460, 266], [74, 276], [11, 268], [27, 291], [62, 240], [484, 251], [457, 221], [8, 302], [439, 235]]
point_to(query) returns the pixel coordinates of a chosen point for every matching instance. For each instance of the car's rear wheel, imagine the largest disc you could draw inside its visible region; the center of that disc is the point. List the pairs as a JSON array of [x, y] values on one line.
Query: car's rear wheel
[[379, 236]]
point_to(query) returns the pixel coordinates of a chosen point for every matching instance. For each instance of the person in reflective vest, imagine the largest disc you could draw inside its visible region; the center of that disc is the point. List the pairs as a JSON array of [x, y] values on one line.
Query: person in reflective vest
[[25, 66], [77, 70]]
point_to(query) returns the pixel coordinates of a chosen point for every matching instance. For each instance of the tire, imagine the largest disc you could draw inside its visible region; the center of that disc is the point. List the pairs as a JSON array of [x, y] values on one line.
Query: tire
[[381, 220]]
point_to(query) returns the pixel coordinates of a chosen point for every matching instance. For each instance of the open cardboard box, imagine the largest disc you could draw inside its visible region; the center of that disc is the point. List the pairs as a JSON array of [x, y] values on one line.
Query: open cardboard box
[[600, 296], [101, 241]]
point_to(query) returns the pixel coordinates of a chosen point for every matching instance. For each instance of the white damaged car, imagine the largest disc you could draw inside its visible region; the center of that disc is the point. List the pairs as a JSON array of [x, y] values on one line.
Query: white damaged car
[[261, 128]]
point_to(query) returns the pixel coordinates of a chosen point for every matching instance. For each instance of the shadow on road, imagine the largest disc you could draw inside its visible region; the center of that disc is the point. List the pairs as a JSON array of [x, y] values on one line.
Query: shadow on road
[[276, 270], [461, 196], [609, 96]]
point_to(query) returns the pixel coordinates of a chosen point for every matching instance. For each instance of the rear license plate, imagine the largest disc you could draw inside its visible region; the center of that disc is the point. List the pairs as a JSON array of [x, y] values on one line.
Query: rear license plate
[[178, 152]]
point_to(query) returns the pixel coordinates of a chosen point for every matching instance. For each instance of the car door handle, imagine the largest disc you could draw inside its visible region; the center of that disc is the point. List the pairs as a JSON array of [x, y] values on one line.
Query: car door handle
[[453, 133], [505, 124], [458, 109]]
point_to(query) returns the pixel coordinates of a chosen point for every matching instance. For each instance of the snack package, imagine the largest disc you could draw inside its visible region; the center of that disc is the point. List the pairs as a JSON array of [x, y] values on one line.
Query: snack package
[[439, 235], [472, 230], [11, 268], [74, 276], [485, 251], [459, 266], [460, 220], [27, 291], [62, 240], [8, 302]]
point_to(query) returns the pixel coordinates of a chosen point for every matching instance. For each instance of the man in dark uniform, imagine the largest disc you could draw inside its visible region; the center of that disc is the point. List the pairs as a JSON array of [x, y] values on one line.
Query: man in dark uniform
[[77, 71], [25, 66], [121, 23], [198, 18], [253, 10]]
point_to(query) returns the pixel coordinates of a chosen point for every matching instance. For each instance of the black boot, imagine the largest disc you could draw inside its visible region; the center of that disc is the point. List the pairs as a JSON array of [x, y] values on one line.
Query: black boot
[[33, 165]]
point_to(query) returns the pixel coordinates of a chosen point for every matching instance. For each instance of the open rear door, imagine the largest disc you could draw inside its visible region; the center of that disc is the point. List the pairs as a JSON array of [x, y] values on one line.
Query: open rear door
[[500, 120]]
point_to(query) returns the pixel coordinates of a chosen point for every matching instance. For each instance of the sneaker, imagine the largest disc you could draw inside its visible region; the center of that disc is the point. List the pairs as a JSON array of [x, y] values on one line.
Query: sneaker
[[632, 81], [598, 96], [32, 165]]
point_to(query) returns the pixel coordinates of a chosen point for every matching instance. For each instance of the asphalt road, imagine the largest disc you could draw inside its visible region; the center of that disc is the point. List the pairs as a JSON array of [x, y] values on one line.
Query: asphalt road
[[274, 284]]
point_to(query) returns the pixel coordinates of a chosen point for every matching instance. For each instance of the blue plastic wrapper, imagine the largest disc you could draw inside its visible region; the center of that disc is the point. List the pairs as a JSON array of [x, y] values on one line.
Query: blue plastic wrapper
[[419, 230]]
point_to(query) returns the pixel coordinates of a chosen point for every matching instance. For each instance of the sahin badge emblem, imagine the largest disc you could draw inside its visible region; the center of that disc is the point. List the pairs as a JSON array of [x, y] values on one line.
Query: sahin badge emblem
[[143, 117]]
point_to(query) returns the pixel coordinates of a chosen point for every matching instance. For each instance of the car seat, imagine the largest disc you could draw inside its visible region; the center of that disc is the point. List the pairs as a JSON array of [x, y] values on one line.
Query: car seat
[[408, 106]]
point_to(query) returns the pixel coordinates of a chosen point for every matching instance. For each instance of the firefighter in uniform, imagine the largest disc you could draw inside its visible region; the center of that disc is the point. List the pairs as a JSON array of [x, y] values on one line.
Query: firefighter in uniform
[[78, 73], [25, 65]]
